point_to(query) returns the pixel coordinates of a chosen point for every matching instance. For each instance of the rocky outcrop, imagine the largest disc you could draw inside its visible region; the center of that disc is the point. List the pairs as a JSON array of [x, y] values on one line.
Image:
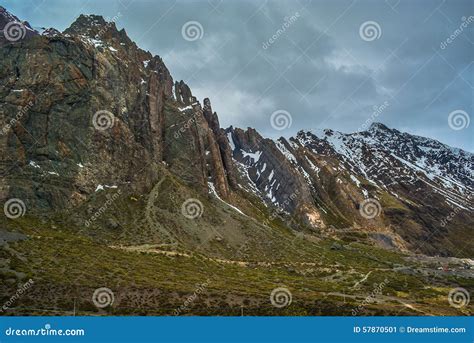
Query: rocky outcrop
[[183, 93], [225, 174], [269, 174], [50, 32]]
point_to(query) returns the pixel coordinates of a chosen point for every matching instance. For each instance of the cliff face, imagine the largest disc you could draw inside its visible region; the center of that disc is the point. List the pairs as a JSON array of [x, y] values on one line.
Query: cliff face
[[87, 110]]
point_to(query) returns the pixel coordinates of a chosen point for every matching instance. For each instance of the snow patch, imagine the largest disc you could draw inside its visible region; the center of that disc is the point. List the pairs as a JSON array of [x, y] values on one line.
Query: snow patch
[[102, 187], [212, 190], [255, 156], [182, 109], [270, 177], [34, 164], [231, 141], [289, 156], [357, 182]]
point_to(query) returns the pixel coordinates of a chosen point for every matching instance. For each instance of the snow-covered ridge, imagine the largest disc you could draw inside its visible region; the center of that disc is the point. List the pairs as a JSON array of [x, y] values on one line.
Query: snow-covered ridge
[[387, 157]]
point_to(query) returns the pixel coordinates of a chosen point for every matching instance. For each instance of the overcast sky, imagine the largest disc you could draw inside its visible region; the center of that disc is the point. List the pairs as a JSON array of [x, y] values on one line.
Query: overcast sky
[[328, 65]]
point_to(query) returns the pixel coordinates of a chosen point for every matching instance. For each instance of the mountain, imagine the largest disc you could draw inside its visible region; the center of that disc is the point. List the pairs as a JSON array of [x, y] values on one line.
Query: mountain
[[414, 184], [13, 29], [113, 173]]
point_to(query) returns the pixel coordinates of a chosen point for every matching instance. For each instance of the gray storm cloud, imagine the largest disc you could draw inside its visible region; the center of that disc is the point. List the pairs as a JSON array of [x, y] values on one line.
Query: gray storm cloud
[[309, 58]]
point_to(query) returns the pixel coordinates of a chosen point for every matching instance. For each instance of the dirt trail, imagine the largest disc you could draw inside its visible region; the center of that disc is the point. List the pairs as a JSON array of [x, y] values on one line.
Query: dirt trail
[[156, 250], [149, 210]]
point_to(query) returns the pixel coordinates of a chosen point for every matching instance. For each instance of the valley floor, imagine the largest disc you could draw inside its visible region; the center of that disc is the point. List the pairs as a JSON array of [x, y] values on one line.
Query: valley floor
[[67, 269]]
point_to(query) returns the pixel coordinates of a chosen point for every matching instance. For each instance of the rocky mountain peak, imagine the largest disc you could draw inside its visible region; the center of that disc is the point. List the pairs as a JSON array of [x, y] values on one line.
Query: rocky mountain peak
[[211, 117], [50, 32], [7, 16], [378, 127], [183, 93], [89, 24], [12, 29], [249, 140], [96, 28]]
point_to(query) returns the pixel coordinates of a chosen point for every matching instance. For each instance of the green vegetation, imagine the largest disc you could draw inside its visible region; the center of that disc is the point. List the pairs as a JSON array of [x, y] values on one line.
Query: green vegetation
[[67, 266]]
